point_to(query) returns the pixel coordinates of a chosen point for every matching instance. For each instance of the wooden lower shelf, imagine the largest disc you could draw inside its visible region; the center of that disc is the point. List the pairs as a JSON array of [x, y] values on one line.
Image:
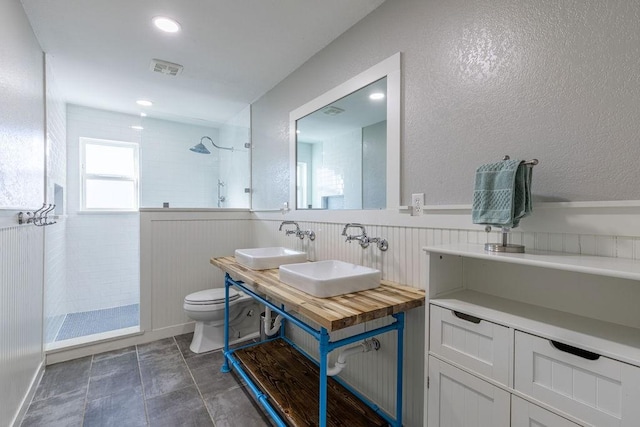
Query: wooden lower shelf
[[291, 381]]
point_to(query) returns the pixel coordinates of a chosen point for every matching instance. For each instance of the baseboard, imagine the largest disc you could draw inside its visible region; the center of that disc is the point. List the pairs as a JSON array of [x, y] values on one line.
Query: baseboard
[[26, 401], [88, 349]]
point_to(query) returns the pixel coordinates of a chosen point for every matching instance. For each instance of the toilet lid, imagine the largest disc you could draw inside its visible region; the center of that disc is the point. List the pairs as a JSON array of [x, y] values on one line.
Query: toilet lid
[[211, 296]]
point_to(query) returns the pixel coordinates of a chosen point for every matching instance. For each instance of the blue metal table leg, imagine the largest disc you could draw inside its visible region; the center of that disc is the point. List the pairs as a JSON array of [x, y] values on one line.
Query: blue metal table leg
[[400, 331], [227, 283], [324, 353]]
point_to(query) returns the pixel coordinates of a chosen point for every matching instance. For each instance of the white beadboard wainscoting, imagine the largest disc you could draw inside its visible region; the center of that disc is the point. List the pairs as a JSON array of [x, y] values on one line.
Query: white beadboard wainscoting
[[175, 250], [176, 245], [21, 354], [373, 373]]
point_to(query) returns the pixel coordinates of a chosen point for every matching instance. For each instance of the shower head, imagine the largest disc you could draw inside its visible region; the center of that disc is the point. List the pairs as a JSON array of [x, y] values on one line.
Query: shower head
[[201, 149]]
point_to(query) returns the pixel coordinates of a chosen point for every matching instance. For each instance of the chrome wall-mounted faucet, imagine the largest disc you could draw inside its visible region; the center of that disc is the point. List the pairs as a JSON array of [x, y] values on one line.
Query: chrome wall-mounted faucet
[[299, 233], [364, 240]]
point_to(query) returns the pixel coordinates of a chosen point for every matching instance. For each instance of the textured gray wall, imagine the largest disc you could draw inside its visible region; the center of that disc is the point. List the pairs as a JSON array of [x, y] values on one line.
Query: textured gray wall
[[554, 80], [21, 111]]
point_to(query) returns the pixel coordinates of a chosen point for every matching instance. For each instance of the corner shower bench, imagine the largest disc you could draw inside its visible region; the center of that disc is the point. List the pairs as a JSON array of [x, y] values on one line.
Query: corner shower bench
[[292, 387]]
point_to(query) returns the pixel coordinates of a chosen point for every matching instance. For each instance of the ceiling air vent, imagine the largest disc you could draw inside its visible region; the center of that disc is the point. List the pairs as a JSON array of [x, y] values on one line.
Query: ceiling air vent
[[332, 111], [165, 67]]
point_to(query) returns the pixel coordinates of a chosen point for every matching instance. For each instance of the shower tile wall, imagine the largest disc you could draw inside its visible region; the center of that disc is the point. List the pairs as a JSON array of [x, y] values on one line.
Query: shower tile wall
[[102, 261], [103, 249], [171, 173]]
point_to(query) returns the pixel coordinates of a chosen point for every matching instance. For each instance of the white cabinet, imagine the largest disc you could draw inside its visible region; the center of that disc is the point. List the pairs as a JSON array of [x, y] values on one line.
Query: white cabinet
[[484, 347], [458, 399], [558, 334], [526, 414], [599, 390]]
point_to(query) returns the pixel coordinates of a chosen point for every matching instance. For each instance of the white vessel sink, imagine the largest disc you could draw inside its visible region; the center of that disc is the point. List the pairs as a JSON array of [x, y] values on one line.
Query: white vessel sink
[[267, 258], [329, 278]]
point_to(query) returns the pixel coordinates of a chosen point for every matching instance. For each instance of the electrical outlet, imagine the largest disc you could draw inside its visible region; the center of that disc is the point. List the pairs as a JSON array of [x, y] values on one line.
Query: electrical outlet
[[417, 204]]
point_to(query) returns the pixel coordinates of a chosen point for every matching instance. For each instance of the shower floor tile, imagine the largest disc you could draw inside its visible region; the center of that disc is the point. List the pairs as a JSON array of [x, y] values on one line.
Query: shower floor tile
[[96, 321]]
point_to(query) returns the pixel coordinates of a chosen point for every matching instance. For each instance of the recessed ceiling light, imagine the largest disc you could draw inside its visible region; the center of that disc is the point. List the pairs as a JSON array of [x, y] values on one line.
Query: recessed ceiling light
[[298, 131], [165, 24], [143, 114], [144, 102], [137, 127], [376, 96]]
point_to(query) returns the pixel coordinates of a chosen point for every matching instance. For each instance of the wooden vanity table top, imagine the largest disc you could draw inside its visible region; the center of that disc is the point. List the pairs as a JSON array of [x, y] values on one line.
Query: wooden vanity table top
[[331, 313]]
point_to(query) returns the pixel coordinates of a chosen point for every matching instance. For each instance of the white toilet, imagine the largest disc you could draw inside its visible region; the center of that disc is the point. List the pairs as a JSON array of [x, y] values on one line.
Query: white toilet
[[207, 309]]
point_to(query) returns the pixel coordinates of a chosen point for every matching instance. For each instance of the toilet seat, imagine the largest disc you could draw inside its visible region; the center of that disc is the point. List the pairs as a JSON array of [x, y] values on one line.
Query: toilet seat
[[210, 297]]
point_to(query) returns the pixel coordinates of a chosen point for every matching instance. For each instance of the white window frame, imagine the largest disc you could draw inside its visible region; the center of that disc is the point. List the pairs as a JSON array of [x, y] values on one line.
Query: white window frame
[[135, 178]]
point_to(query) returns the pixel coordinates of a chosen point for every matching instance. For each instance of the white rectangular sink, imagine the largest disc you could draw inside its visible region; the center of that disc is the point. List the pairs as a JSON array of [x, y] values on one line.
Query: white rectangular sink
[[267, 258], [326, 279]]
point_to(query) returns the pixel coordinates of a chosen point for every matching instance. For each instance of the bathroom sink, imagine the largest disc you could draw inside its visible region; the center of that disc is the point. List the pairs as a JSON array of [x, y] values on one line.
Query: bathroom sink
[[267, 258], [329, 278]]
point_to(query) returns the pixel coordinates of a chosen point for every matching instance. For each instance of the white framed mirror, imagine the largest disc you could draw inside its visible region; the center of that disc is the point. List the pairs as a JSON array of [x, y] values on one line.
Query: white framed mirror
[[345, 144]]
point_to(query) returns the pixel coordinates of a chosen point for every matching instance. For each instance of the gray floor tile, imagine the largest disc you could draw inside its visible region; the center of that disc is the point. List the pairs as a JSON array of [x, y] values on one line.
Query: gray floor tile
[[182, 408], [125, 362], [206, 372], [112, 384], [118, 409], [116, 397], [205, 359], [114, 353], [63, 378], [158, 350], [116, 374], [184, 341], [164, 375], [234, 408], [155, 345], [64, 410]]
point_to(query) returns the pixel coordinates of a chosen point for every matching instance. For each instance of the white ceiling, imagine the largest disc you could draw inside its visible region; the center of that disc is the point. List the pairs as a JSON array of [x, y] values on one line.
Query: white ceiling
[[233, 51]]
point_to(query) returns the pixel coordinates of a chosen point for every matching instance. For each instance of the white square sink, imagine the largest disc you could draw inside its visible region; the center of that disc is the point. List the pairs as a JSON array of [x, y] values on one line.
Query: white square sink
[[268, 258], [326, 279]]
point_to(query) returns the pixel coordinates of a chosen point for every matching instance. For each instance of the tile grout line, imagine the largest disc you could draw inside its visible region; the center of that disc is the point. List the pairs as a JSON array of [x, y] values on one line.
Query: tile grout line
[[194, 382], [86, 394], [144, 399]]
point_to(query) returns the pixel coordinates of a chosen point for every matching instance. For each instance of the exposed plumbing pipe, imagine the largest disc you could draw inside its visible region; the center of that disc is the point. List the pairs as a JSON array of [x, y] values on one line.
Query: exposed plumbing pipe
[[364, 347], [267, 322]]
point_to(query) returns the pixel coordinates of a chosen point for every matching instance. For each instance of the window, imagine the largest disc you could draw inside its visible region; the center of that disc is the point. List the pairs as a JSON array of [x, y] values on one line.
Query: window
[[109, 175]]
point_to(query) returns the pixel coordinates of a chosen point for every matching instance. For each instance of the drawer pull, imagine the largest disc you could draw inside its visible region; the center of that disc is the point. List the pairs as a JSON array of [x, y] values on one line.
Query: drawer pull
[[575, 350], [467, 317]]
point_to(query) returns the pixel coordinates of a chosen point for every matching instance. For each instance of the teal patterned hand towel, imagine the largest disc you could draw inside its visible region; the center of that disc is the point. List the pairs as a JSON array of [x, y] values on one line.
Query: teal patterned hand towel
[[502, 194]]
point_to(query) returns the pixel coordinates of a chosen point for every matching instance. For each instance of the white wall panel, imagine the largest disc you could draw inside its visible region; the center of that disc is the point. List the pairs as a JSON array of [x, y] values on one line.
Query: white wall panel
[[177, 250], [21, 278], [405, 263]]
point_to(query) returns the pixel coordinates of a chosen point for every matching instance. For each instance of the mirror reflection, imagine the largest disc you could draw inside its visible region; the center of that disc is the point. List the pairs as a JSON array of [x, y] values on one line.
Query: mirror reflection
[[341, 152]]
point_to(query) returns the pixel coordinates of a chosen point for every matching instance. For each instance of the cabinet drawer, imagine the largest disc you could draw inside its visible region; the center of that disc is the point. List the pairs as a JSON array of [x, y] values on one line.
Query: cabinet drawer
[[526, 414], [477, 344], [459, 399], [593, 388]]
